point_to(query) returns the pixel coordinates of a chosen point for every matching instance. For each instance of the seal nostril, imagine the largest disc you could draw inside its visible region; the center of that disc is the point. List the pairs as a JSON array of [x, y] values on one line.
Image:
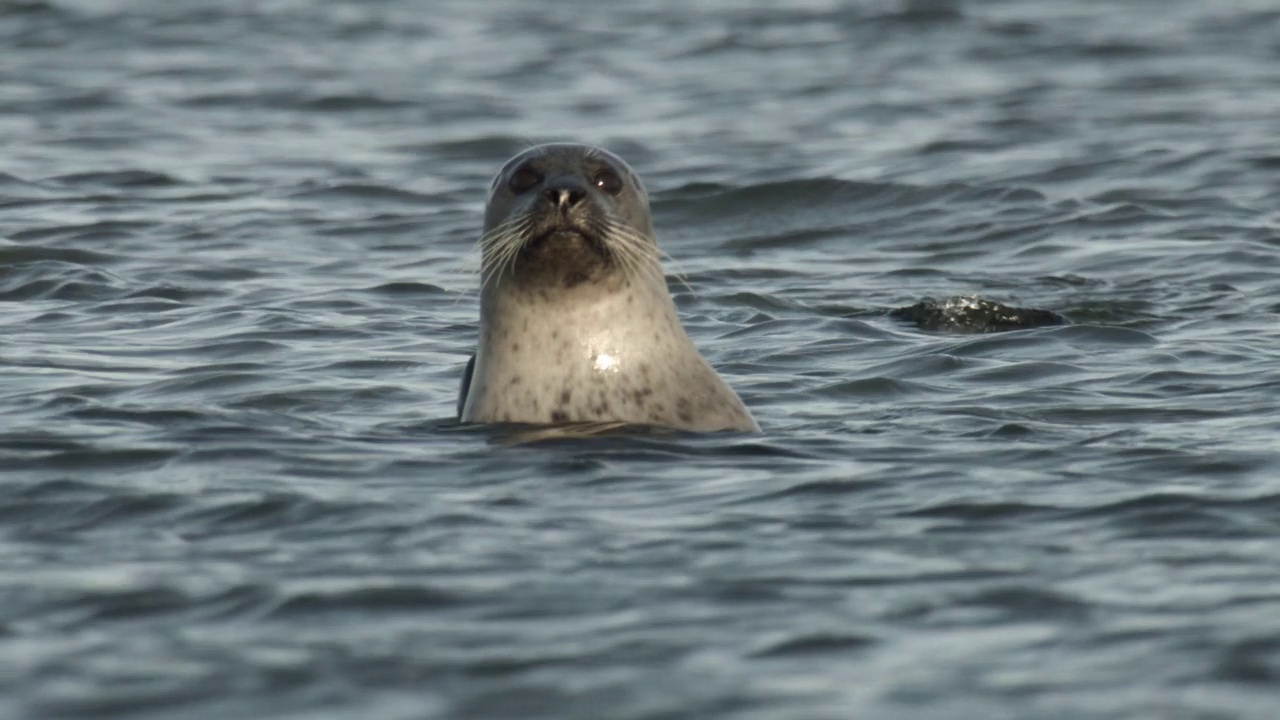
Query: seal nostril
[[565, 191], [565, 197]]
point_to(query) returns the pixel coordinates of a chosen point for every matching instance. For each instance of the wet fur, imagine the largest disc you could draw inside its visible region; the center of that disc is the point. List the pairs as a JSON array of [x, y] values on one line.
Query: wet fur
[[577, 324]]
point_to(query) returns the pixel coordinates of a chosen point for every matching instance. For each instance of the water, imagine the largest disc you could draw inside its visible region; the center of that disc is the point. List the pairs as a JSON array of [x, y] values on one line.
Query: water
[[237, 288]]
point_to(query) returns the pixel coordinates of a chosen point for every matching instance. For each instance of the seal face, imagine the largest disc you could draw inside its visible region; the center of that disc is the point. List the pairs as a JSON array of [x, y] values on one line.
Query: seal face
[[576, 323]]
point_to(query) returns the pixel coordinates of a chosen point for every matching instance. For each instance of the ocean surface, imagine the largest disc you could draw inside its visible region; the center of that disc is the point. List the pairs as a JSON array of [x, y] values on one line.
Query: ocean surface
[[238, 288]]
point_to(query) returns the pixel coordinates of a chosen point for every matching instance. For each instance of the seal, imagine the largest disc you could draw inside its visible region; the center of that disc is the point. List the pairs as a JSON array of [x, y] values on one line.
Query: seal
[[576, 322]]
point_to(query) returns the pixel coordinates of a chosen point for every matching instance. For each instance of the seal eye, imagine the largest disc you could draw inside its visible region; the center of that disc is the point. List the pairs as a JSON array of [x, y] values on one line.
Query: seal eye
[[523, 180], [608, 181]]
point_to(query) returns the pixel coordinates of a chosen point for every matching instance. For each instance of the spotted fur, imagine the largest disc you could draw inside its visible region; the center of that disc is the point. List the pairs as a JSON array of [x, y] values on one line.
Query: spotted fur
[[576, 322]]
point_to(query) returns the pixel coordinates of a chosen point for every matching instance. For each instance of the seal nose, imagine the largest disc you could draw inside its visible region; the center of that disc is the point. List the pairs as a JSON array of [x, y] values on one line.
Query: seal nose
[[565, 192]]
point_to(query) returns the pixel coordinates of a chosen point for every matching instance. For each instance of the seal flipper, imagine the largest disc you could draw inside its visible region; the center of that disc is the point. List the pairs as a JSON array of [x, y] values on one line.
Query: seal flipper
[[466, 385]]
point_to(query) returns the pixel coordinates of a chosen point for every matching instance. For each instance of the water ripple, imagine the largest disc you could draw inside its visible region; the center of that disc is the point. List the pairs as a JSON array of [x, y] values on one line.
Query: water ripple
[[238, 282]]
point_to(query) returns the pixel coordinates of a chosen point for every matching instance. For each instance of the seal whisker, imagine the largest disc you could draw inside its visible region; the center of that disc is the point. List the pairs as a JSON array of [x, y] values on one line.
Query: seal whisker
[[677, 272], [620, 248], [652, 253], [636, 250], [500, 233], [469, 265], [494, 264], [503, 260], [500, 247]]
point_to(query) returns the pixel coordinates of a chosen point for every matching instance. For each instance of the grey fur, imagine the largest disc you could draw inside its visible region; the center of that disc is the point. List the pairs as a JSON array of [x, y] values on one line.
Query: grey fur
[[576, 323]]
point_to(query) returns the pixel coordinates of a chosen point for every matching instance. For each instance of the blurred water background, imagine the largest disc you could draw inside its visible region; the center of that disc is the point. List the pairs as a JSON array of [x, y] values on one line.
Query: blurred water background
[[237, 290]]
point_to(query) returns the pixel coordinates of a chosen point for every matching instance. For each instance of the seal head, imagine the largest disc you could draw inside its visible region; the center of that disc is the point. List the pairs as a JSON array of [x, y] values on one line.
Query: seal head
[[576, 322], [561, 215]]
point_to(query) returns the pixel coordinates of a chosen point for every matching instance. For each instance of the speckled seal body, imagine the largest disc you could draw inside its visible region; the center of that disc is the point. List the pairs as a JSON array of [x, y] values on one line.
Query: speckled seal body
[[576, 322]]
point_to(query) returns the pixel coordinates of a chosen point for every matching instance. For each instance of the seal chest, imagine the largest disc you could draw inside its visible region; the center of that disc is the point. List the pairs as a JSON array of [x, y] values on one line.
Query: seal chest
[[576, 323]]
